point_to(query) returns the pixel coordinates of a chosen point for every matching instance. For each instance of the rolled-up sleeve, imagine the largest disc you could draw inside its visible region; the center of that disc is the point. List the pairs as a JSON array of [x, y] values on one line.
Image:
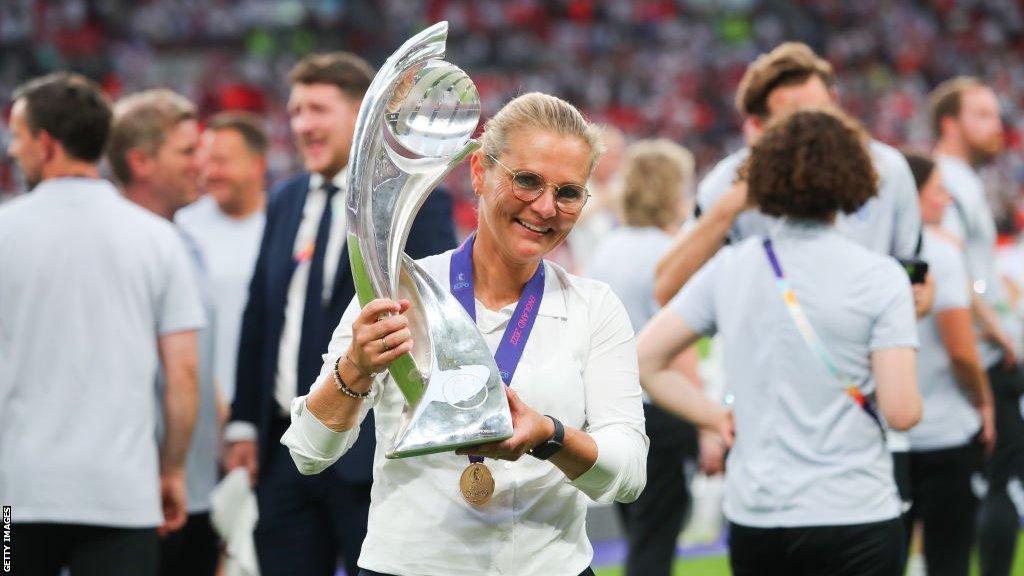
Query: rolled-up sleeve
[[614, 407], [311, 443]]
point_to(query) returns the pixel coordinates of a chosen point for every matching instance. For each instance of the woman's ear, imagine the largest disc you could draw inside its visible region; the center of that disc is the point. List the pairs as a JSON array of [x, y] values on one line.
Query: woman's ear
[[477, 172]]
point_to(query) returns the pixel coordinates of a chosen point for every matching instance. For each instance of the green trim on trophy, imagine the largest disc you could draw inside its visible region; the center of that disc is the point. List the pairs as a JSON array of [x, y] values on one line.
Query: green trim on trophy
[[403, 369]]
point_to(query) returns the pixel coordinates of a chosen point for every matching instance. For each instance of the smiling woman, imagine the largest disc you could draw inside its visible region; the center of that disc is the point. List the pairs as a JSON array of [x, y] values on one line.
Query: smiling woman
[[566, 351]]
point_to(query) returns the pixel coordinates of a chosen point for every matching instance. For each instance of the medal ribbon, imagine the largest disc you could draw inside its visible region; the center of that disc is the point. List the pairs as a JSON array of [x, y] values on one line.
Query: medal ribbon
[[513, 341], [803, 325]]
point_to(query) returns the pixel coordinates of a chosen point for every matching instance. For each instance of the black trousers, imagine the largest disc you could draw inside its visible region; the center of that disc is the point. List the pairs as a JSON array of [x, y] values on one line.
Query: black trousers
[[653, 522], [43, 549], [307, 522], [944, 502], [191, 551], [998, 521], [873, 549]]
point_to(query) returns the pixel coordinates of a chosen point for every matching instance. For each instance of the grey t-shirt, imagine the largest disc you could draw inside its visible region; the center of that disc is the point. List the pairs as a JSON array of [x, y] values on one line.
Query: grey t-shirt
[[89, 282], [229, 247], [949, 419], [889, 223], [805, 453], [626, 260], [970, 219], [202, 460]]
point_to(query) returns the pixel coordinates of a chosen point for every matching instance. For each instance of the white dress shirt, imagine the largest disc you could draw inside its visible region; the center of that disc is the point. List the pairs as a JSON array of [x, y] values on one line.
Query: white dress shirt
[[579, 366], [285, 386]]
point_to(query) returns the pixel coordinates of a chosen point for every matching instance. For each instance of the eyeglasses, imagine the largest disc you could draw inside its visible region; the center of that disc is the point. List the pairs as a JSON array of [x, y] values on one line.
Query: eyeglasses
[[528, 186]]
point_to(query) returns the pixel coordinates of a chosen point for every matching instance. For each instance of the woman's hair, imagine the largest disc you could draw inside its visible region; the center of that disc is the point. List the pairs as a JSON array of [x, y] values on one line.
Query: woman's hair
[[542, 111], [654, 178], [921, 167], [811, 163]]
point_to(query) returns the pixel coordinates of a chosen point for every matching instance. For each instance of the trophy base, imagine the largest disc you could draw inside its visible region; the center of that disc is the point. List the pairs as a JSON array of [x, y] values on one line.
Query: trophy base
[[441, 427]]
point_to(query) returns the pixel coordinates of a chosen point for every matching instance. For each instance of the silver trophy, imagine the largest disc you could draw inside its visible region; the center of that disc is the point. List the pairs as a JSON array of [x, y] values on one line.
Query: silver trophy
[[413, 127]]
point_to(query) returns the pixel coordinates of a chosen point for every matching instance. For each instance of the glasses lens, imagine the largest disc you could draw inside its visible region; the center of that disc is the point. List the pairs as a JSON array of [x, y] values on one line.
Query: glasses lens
[[570, 197], [527, 181]]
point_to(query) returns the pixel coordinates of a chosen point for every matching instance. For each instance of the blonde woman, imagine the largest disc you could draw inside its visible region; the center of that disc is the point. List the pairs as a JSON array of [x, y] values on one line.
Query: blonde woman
[[655, 183], [574, 393]]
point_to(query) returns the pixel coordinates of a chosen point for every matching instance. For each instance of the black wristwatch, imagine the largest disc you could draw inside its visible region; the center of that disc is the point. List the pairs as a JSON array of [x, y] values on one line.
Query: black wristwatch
[[549, 448]]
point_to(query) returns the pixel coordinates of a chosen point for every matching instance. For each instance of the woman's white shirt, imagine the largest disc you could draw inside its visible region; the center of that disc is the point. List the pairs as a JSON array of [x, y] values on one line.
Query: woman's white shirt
[[579, 366], [805, 453]]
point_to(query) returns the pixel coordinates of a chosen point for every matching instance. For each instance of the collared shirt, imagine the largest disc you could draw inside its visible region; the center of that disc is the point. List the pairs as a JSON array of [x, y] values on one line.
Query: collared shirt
[[889, 223], [230, 247], [970, 219], [286, 387], [579, 366], [949, 419], [89, 281], [805, 453]]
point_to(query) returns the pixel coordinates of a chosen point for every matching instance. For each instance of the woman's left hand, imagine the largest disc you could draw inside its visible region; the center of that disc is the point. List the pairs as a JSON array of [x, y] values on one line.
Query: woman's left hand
[[529, 428]]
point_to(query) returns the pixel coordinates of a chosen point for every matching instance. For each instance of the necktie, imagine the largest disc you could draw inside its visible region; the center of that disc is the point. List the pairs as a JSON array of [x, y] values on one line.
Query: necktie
[[312, 343]]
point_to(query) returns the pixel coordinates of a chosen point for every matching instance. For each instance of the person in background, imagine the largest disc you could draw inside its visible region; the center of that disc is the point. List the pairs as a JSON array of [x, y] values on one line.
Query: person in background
[[655, 178], [153, 149], [300, 287], [227, 224], [789, 77], [969, 132], [97, 297], [958, 423], [599, 216], [820, 337]]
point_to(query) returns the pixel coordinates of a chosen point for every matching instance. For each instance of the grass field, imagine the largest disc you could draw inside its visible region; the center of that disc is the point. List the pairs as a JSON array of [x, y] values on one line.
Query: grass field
[[719, 566]]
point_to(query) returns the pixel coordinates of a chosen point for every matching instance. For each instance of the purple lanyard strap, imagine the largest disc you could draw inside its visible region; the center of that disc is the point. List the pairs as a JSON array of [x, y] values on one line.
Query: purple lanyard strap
[[513, 341]]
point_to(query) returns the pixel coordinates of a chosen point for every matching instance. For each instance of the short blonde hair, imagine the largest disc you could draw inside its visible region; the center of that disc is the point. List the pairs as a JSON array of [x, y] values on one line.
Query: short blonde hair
[[542, 111], [142, 121], [654, 179]]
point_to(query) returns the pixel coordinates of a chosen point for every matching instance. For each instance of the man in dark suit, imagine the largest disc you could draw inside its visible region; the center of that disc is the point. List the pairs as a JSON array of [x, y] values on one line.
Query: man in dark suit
[[301, 285]]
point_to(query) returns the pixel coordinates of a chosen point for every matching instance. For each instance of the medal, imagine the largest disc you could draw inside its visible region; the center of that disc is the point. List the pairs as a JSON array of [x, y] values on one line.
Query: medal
[[476, 484]]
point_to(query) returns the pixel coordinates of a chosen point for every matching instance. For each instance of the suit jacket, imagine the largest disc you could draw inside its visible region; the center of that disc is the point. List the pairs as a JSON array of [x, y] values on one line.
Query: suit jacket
[[263, 319]]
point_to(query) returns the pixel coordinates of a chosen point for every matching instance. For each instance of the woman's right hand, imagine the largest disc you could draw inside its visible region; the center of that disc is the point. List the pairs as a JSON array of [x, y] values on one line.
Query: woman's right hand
[[380, 334]]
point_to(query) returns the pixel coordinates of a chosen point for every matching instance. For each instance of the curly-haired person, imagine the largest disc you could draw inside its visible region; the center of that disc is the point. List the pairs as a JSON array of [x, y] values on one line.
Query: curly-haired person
[[821, 338]]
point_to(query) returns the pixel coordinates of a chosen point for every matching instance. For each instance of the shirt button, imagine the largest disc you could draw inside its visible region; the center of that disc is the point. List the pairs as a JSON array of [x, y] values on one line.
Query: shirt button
[[508, 465]]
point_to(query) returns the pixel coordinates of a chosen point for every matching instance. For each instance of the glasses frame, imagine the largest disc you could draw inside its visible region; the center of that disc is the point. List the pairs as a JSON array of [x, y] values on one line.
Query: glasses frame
[[544, 186]]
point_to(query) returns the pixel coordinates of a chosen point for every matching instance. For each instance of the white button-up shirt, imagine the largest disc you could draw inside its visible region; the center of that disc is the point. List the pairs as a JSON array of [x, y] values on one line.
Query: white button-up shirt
[[579, 366], [285, 386]]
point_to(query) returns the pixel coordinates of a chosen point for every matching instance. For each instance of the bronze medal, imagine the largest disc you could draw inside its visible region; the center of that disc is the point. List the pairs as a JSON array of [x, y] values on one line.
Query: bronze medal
[[477, 484]]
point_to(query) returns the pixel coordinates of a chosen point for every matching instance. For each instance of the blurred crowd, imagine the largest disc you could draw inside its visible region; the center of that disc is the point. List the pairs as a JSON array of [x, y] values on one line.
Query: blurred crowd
[[652, 67]]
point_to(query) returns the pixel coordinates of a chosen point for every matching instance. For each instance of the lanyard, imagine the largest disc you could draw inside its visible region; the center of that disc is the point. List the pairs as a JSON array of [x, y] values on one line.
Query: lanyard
[[803, 325], [513, 341]]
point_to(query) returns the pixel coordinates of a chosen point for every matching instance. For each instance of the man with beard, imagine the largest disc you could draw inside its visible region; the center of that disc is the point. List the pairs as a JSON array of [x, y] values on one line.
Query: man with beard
[[965, 120], [300, 287]]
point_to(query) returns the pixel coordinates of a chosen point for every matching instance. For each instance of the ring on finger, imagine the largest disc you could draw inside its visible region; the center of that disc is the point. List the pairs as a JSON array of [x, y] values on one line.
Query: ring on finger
[[384, 342]]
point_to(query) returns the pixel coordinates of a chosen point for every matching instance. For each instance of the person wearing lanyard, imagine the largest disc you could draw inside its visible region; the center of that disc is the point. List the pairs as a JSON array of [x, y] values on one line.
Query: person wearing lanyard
[[572, 378], [819, 335], [959, 418]]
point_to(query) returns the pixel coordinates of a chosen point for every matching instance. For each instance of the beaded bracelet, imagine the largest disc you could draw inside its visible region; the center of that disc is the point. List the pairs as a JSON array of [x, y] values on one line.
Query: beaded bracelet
[[341, 383]]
